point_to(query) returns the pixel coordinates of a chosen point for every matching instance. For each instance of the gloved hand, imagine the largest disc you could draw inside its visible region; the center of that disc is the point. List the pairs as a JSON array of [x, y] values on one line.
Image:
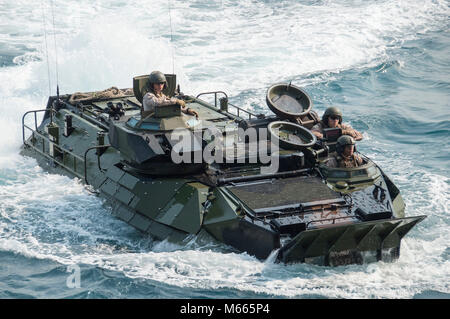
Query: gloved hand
[[318, 135], [193, 112], [348, 132], [181, 103]]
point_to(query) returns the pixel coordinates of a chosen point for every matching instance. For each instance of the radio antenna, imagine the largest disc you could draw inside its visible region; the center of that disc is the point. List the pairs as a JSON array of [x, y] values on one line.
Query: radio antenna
[[46, 48], [56, 53], [171, 38]]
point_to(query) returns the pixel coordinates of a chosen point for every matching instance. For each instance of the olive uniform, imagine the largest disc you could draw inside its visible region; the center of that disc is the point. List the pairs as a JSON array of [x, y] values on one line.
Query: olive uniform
[[346, 128], [345, 162], [342, 161]]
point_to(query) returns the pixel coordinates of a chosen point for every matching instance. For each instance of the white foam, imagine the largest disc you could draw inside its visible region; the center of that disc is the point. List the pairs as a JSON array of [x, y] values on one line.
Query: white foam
[[102, 44], [239, 47]]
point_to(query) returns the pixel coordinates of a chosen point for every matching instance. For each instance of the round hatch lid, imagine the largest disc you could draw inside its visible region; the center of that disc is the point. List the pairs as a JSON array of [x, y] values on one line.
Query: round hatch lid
[[291, 135], [288, 101]]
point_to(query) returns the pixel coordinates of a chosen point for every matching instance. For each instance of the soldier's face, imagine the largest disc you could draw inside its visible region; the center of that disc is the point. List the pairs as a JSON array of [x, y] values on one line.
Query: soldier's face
[[348, 150], [333, 121], [158, 87]]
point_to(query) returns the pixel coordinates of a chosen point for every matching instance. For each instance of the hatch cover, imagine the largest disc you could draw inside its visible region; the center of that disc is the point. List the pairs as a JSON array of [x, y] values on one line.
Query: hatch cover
[[281, 192]]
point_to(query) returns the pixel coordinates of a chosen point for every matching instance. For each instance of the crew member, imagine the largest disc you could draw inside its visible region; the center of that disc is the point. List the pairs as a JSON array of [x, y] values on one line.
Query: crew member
[[345, 154], [155, 97], [332, 118]]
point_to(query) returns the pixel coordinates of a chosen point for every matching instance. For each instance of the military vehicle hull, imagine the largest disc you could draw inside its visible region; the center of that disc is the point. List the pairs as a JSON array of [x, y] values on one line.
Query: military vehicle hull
[[294, 212]]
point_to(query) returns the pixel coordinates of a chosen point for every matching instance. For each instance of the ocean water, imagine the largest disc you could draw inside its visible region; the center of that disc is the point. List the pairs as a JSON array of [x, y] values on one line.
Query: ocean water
[[385, 63]]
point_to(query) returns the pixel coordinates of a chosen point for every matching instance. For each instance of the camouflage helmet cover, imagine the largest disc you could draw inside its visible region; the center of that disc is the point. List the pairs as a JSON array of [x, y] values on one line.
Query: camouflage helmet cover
[[157, 77], [342, 142], [331, 111]]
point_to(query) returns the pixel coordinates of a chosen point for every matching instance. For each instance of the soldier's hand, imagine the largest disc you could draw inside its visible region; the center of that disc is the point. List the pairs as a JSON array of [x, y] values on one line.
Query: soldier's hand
[[193, 112], [318, 134], [348, 132], [181, 103]]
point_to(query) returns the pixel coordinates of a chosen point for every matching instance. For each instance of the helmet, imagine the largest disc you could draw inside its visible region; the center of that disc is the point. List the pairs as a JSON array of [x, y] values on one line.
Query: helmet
[[157, 77], [342, 142], [331, 111]]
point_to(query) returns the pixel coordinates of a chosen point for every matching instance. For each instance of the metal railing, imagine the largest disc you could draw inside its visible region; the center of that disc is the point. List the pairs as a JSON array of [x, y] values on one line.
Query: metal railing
[[238, 109], [35, 122], [63, 151]]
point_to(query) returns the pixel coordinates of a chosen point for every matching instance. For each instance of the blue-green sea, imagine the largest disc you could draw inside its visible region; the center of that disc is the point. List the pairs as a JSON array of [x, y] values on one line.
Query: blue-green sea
[[384, 63]]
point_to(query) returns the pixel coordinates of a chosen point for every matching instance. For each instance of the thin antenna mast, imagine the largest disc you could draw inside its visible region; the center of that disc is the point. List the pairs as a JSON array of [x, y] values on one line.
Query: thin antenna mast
[[171, 39], [46, 48], [56, 53]]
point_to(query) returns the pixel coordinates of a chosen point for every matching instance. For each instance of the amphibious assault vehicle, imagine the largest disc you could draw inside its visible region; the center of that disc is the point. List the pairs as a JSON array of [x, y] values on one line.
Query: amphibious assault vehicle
[[258, 183]]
